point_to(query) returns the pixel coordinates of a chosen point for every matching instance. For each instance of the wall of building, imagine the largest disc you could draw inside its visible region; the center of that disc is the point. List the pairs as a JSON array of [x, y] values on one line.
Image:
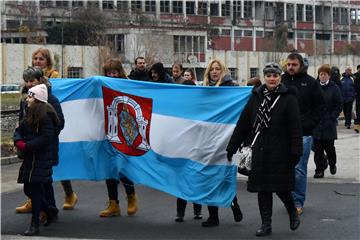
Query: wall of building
[[16, 57]]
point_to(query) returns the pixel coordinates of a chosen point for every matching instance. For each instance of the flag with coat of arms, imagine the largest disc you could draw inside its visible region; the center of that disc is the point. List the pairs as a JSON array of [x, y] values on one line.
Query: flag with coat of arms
[[166, 136]]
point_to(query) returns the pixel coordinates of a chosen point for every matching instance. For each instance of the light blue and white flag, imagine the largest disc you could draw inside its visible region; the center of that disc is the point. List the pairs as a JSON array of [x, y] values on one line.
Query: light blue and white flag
[[166, 136]]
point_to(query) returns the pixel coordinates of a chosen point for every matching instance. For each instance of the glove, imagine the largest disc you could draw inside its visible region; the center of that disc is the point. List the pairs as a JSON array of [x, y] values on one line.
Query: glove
[[229, 156], [20, 144]]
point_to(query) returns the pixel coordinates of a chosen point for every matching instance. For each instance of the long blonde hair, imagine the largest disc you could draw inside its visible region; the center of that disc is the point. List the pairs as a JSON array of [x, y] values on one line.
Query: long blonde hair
[[224, 71]]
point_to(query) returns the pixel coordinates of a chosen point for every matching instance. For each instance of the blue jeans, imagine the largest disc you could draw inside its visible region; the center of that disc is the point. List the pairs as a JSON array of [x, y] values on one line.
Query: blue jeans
[[299, 193]]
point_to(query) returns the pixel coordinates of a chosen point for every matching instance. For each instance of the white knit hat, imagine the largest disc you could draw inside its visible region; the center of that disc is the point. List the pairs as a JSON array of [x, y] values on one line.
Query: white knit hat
[[39, 92]]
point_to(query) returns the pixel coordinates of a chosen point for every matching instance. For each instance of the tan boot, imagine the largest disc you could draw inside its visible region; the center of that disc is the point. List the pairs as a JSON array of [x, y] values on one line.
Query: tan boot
[[70, 201], [357, 128], [25, 208], [132, 204], [113, 210]]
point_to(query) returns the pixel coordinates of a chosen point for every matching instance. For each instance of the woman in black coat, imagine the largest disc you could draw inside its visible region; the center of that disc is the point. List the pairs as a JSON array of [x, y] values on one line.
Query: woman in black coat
[[325, 133], [273, 110], [34, 137]]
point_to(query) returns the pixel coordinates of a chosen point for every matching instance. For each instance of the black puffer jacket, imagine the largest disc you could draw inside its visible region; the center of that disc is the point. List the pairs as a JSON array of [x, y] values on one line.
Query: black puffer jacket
[[54, 102], [138, 75], [277, 148], [309, 97], [37, 164], [326, 129]]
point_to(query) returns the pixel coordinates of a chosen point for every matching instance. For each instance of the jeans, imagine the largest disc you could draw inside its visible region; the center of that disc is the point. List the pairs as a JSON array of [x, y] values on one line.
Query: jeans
[[299, 193]]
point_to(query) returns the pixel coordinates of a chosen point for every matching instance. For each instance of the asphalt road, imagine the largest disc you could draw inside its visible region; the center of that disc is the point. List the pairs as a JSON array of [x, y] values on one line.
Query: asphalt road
[[331, 212]]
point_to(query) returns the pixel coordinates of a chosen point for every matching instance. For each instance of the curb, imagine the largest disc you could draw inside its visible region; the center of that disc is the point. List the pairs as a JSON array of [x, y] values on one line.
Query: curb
[[9, 160]]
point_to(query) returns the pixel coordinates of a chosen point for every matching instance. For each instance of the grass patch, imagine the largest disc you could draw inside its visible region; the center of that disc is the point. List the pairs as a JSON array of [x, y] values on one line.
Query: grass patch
[[10, 100]]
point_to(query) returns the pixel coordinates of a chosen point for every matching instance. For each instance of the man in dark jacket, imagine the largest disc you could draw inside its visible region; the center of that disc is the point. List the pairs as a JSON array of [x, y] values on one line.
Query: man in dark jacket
[[157, 73], [311, 102], [139, 73], [357, 98], [348, 95]]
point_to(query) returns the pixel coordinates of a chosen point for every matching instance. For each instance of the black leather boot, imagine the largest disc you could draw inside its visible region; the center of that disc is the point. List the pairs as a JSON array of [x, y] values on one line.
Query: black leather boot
[[294, 220], [33, 229], [52, 215], [264, 230], [238, 216], [213, 219]]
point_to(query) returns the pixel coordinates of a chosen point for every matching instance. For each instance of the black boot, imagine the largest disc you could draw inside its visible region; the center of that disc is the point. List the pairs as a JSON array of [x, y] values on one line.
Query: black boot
[[33, 229], [213, 219], [294, 220], [264, 230], [238, 216], [52, 215]]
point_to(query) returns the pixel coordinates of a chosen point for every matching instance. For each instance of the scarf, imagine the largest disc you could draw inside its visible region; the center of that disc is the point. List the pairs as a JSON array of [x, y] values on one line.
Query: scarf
[[263, 116]]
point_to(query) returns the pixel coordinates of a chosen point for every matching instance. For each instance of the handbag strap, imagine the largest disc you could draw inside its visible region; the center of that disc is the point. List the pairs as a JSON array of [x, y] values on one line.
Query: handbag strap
[[258, 132]]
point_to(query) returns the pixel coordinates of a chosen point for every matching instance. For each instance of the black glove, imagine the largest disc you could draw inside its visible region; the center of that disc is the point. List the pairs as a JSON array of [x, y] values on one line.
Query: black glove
[[229, 156]]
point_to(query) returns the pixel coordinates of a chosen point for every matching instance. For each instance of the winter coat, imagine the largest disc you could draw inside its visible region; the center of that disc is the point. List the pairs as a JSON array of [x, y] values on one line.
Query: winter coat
[[179, 80], [38, 154], [226, 81], [309, 97], [326, 129], [139, 75], [347, 88], [277, 148], [54, 102], [357, 84], [335, 77], [51, 73]]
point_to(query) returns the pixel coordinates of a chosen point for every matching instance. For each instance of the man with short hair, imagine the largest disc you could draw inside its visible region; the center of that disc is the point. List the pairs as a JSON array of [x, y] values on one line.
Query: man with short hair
[[139, 73], [311, 102], [357, 98]]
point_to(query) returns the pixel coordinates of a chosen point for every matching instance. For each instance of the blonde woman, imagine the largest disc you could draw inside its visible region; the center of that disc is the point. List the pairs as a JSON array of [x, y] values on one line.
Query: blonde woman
[[42, 58], [217, 74]]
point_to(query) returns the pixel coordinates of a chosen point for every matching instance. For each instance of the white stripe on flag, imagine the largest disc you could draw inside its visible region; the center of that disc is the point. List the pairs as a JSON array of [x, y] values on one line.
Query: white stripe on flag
[[84, 120], [172, 137]]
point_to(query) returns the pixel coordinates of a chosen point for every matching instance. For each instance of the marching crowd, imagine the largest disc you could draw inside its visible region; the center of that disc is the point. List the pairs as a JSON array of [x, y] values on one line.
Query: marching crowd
[[286, 117]]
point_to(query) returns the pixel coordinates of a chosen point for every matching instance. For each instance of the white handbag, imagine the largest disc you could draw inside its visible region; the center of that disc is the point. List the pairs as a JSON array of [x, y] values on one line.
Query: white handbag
[[245, 156]]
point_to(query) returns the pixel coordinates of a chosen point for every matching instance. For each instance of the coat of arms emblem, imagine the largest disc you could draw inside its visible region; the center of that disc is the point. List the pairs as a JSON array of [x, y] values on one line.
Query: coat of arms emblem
[[127, 121]]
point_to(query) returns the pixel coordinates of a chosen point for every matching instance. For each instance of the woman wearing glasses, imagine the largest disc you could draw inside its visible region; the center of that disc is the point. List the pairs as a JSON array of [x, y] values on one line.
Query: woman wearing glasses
[[272, 110]]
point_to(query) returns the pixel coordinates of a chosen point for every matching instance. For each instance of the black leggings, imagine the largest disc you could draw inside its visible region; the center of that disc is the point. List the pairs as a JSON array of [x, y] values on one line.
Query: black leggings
[[319, 158], [35, 191], [112, 185], [181, 206]]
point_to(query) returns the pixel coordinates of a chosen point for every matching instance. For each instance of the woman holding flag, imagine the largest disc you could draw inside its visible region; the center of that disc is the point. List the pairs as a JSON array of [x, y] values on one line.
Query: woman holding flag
[[217, 75]]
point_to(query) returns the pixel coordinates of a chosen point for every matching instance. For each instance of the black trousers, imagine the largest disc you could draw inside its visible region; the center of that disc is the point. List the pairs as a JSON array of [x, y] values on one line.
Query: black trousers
[[181, 206], [49, 194], [265, 201], [319, 158], [66, 184], [35, 191], [347, 113], [112, 187], [214, 210]]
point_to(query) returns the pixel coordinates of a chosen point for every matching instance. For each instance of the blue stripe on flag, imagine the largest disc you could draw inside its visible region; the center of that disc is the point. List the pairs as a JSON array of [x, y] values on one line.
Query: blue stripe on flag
[[206, 103], [180, 177]]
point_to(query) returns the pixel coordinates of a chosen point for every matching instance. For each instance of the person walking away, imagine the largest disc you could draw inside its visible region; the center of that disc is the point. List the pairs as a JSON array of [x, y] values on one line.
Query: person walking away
[[272, 114], [325, 132], [310, 102], [34, 137], [348, 95], [217, 75]]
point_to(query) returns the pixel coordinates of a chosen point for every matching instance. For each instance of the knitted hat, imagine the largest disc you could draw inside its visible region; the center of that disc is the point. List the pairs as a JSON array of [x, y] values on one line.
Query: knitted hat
[[39, 92], [272, 67]]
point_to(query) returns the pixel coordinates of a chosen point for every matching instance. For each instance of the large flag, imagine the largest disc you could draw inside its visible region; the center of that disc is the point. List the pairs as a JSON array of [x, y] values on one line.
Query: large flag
[[166, 136]]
